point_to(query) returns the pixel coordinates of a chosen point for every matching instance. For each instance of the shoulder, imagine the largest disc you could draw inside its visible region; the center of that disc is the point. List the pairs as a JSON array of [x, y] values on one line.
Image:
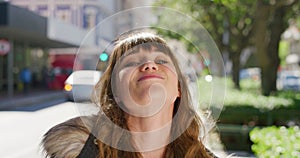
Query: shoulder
[[68, 138]]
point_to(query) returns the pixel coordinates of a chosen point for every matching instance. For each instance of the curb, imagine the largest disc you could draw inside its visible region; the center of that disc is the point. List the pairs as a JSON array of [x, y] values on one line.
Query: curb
[[40, 98]]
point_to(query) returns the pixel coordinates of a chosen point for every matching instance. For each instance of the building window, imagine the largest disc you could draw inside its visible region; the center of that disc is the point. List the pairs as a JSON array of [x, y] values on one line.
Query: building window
[[64, 13], [89, 18], [42, 10]]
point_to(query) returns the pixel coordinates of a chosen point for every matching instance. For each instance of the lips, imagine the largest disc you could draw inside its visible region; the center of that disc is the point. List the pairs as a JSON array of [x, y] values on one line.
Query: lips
[[152, 76]]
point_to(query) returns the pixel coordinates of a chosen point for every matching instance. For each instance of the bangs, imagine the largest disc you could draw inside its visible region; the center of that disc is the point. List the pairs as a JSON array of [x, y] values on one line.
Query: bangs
[[132, 48]]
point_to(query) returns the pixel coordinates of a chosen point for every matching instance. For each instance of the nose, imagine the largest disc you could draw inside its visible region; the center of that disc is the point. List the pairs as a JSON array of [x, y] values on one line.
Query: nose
[[149, 66]]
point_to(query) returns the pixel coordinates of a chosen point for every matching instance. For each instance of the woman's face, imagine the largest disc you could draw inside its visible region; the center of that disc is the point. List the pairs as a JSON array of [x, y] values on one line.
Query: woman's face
[[146, 80]]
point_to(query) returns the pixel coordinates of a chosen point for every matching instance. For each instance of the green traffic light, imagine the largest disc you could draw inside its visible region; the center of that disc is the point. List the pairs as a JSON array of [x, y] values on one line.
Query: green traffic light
[[103, 57]]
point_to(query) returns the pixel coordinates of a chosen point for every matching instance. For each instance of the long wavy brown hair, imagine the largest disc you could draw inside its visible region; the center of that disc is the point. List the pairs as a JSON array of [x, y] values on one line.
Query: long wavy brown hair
[[186, 141]]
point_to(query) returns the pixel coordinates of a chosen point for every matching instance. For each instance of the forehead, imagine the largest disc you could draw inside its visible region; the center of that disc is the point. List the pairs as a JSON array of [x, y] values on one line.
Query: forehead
[[147, 47]]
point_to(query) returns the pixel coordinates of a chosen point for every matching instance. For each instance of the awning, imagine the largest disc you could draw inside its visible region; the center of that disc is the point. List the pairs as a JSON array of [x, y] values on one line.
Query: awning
[[24, 26]]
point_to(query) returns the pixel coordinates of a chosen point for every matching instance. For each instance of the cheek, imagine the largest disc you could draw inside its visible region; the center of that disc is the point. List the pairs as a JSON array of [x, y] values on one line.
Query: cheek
[[172, 83], [171, 68], [172, 73], [122, 76], [123, 80]]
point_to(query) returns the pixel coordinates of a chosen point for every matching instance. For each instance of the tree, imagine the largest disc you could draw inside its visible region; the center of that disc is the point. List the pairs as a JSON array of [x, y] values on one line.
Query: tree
[[270, 21], [228, 21], [234, 22], [257, 23]]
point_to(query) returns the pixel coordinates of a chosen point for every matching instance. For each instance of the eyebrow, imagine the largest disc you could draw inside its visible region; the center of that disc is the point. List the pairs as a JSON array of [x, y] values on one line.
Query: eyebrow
[[130, 52]]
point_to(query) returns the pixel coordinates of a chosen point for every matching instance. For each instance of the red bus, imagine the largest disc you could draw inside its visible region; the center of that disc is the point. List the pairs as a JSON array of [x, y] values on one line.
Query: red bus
[[61, 68]]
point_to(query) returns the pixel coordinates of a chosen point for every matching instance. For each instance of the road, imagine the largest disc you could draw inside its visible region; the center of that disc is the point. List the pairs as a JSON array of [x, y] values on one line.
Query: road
[[22, 132]]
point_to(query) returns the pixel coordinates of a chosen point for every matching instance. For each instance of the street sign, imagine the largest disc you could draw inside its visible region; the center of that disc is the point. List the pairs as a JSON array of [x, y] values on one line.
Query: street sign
[[4, 47]]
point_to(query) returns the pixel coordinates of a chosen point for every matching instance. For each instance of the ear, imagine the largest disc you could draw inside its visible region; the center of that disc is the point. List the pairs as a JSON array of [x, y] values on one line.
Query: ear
[[179, 91]]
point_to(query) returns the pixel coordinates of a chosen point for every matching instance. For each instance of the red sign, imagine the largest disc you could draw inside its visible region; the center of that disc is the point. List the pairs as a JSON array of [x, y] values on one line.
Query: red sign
[[4, 47]]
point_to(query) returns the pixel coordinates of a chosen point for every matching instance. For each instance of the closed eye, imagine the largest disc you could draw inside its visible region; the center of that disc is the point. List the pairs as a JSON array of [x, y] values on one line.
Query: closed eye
[[161, 61], [131, 64]]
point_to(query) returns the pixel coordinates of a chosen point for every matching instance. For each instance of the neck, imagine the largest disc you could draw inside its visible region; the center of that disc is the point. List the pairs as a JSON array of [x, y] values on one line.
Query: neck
[[154, 122], [154, 154], [146, 124], [151, 134]]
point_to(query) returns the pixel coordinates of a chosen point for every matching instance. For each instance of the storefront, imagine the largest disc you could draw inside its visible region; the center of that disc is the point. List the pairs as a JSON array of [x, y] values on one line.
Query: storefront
[[29, 37]]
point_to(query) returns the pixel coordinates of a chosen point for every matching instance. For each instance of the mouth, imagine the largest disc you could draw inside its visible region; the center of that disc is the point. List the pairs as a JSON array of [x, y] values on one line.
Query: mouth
[[146, 77]]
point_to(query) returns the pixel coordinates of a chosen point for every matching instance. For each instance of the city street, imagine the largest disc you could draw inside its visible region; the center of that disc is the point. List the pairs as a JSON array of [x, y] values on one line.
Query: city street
[[21, 132], [240, 61]]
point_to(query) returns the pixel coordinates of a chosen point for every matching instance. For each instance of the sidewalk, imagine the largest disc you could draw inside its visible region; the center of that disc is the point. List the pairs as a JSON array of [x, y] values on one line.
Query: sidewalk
[[33, 100]]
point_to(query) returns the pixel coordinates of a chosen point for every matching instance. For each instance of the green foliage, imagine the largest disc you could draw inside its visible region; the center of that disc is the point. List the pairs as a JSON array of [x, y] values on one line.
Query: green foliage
[[249, 95], [298, 22], [283, 51], [277, 142], [213, 14], [173, 35]]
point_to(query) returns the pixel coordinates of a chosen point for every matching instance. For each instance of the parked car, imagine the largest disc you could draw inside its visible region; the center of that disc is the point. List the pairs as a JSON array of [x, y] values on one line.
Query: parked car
[[289, 80], [80, 84]]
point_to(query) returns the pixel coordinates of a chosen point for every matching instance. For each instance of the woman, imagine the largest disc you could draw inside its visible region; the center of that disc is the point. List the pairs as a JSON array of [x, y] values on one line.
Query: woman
[[146, 109]]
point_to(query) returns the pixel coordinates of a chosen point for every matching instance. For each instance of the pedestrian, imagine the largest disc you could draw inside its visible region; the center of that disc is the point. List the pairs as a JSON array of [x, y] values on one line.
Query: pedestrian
[[26, 77], [45, 77], [146, 110]]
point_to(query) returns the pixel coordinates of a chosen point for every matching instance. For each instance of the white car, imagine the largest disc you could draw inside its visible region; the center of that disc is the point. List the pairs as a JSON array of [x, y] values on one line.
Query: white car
[[80, 84], [289, 80]]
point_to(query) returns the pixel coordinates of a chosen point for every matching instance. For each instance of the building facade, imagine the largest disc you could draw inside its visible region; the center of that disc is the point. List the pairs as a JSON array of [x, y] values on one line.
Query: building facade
[[64, 26], [35, 28], [85, 14]]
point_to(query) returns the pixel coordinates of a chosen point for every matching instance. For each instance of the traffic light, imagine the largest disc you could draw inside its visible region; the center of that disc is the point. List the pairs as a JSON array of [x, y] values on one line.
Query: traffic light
[[103, 56]]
